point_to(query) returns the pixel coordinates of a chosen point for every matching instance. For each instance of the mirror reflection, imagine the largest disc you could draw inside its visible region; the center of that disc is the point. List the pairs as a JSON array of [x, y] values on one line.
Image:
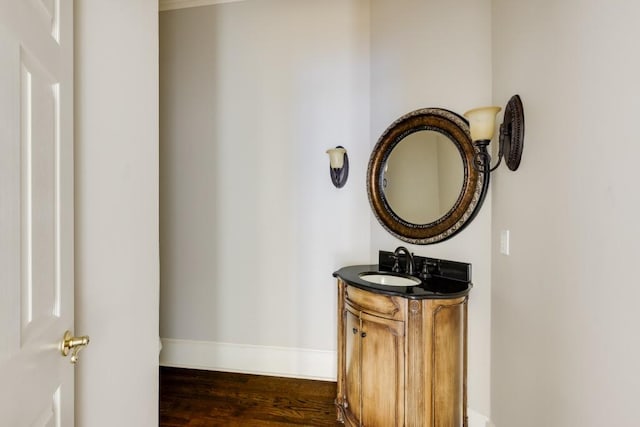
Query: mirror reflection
[[423, 177]]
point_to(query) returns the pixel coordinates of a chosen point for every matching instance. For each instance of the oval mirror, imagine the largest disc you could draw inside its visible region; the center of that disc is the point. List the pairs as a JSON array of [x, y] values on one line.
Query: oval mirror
[[420, 180]]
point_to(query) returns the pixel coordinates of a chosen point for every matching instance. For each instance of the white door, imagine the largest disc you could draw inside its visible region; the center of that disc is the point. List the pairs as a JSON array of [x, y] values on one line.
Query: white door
[[36, 211]]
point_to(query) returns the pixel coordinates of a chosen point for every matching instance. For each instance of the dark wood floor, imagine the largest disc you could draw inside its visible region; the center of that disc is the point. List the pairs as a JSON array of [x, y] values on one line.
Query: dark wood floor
[[196, 398]]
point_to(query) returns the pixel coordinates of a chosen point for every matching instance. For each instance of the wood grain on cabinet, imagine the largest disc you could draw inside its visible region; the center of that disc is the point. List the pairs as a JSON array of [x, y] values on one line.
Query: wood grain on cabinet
[[401, 362]]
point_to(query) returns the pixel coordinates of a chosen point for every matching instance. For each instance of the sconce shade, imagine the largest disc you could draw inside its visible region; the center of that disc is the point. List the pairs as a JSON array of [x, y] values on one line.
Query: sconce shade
[[482, 122], [336, 157]]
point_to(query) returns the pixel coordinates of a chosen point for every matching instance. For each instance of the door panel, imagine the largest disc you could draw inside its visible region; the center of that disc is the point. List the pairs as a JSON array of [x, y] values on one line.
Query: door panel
[[382, 371], [40, 287], [36, 211]]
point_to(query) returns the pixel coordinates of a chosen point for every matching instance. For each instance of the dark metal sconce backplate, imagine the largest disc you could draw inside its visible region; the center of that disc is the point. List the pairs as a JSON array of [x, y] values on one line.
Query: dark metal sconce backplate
[[512, 133]]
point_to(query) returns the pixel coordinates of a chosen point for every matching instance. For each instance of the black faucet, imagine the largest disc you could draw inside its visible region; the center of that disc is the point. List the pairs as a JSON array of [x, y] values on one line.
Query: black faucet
[[408, 267]]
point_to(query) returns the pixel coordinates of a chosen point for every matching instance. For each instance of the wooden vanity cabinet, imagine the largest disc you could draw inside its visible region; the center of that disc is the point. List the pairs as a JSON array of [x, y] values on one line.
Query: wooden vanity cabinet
[[401, 362]]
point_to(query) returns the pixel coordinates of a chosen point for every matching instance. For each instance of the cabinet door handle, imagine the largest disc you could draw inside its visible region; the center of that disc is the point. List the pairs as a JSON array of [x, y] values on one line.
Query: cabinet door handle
[[363, 334], [355, 331]]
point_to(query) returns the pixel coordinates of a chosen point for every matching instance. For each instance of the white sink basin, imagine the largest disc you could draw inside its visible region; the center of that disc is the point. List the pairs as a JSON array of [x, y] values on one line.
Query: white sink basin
[[389, 279]]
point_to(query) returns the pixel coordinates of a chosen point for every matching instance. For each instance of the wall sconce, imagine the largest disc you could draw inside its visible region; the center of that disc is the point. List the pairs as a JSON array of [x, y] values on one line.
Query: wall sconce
[[338, 165], [511, 139]]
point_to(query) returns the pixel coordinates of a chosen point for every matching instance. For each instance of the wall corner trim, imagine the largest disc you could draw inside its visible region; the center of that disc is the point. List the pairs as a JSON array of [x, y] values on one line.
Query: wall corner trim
[[250, 359], [183, 4]]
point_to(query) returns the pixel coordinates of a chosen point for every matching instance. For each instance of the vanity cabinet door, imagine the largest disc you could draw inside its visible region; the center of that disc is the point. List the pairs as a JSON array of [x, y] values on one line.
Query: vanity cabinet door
[[382, 374], [352, 383], [374, 369]]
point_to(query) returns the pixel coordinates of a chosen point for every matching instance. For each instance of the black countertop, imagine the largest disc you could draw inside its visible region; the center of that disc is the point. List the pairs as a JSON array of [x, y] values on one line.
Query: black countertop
[[430, 288]]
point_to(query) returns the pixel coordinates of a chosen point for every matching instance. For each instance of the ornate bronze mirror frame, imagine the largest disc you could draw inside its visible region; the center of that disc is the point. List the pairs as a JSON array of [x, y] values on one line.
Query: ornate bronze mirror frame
[[472, 192]]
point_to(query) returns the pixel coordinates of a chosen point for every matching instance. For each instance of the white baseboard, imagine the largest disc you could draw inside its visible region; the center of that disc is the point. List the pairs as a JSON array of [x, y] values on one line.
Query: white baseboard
[[183, 4], [250, 359]]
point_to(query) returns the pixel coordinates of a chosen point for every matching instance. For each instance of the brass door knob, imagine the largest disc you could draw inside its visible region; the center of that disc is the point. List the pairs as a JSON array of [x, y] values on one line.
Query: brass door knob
[[73, 344]]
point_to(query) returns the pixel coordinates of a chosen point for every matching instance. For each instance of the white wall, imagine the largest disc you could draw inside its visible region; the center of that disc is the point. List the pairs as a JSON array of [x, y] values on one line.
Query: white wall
[[565, 349], [437, 53], [117, 272], [252, 95]]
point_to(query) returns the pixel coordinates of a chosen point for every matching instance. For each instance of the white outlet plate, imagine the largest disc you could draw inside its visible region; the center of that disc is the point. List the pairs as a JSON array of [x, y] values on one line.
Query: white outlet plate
[[504, 242]]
